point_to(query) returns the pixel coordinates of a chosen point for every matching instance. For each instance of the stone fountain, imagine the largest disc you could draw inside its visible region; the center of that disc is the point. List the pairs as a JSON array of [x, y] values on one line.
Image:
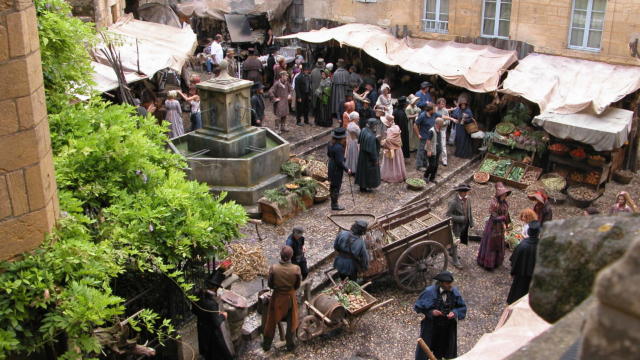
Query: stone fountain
[[228, 153]]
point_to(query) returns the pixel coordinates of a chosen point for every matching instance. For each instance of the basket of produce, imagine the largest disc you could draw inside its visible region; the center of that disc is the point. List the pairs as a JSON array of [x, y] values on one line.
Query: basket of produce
[[531, 175], [322, 193], [623, 176], [505, 128], [553, 182], [481, 177], [592, 178], [501, 168], [576, 177], [516, 173], [578, 154], [582, 195], [351, 296], [415, 184], [557, 197], [596, 160], [316, 169], [292, 169], [558, 149], [488, 165], [292, 186]]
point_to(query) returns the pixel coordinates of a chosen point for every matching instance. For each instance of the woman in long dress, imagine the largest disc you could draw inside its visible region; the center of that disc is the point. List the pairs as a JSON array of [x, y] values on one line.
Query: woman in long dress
[[462, 115], [353, 149], [174, 115], [491, 253], [393, 169], [412, 112], [323, 105], [349, 107]]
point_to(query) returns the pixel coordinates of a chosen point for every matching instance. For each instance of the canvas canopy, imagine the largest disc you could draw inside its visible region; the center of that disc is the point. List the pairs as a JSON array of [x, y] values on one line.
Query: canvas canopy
[[518, 325], [474, 67], [159, 47], [565, 85], [216, 9], [605, 132]]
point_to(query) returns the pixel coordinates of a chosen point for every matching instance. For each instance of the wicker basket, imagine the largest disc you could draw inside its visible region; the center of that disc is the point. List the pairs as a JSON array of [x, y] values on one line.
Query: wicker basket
[[580, 202], [623, 177], [481, 177], [322, 193], [471, 128]]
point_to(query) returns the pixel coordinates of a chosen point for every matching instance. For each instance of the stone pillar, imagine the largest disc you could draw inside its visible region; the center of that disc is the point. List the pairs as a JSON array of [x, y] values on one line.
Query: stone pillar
[[28, 202]]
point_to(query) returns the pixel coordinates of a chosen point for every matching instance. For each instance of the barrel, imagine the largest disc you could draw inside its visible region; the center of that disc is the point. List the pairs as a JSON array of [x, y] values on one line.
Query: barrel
[[330, 307]]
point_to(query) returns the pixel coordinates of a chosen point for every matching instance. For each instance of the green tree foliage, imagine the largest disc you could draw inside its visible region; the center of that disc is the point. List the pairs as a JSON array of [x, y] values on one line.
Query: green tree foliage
[[125, 206]]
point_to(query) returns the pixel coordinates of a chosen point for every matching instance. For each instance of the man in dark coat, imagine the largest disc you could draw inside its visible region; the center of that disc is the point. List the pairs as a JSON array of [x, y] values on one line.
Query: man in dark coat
[[303, 95], [252, 67], [270, 76], [284, 279], [337, 166], [316, 77], [523, 262], [368, 172], [442, 306], [296, 242], [352, 251], [459, 210], [366, 113], [257, 105], [211, 342], [400, 118], [340, 87]]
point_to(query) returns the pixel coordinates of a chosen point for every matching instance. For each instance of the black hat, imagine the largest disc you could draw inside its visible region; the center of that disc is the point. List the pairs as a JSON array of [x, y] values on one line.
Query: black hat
[[445, 276], [272, 48], [257, 86], [372, 122], [306, 66], [339, 133], [425, 84], [215, 280], [534, 229], [359, 227], [402, 99], [462, 187]]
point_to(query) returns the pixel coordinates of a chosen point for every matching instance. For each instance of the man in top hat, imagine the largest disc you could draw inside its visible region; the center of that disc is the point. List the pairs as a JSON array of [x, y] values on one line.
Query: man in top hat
[[316, 77], [424, 95], [337, 165], [352, 251], [296, 242], [523, 262], [284, 279], [368, 172], [401, 119], [211, 343], [257, 104], [442, 306], [459, 210], [252, 67], [304, 91]]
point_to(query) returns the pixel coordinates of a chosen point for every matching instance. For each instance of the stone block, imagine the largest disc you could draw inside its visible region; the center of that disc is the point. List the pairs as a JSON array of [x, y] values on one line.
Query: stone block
[[32, 109], [43, 138], [41, 183], [18, 151], [5, 201], [6, 5], [19, 38], [23, 4], [23, 234], [17, 192], [4, 43], [14, 75], [8, 117]]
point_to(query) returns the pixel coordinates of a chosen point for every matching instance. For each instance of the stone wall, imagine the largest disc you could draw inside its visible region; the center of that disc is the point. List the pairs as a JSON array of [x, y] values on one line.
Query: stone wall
[[542, 23], [28, 202], [101, 12]]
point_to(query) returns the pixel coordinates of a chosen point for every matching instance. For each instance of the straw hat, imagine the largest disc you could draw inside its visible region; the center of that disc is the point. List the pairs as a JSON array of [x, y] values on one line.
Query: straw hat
[[412, 99]]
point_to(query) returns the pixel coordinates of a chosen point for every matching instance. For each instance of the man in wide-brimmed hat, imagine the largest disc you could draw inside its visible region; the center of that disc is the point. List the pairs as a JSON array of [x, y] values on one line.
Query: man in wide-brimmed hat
[[352, 252], [442, 306], [337, 165], [424, 95], [459, 210], [211, 341]]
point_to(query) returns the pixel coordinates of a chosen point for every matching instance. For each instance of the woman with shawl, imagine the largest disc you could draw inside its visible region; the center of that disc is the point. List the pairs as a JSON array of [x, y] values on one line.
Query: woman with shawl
[[323, 105], [624, 204], [491, 253], [353, 133], [174, 115], [542, 208], [393, 170]]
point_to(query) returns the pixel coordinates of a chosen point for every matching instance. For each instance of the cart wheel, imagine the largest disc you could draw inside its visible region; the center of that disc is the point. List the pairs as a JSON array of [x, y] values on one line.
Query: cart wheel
[[310, 327], [417, 265]]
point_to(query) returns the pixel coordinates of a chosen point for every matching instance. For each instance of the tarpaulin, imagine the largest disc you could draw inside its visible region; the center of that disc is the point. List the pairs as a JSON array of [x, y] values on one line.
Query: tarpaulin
[[158, 47], [605, 132], [216, 9], [566, 85], [474, 67], [518, 325], [159, 13]]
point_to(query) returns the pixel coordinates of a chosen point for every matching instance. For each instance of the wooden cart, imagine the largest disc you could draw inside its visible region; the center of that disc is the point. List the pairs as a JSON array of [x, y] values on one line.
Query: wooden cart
[[409, 244]]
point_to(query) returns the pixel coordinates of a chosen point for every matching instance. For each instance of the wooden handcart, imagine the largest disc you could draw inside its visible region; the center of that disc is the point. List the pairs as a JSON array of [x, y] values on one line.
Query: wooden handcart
[[409, 244]]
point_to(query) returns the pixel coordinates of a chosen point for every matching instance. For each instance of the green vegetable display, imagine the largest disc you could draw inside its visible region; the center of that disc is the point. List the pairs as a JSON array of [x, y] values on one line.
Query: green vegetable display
[[501, 168], [488, 166], [516, 173], [416, 182]]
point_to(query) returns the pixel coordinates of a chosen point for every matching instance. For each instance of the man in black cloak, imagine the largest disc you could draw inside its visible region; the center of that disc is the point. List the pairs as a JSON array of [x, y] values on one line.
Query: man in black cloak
[[210, 339], [337, 166], [442, 306], [400, 117], [523, 261], [340, 87], [368, 172]]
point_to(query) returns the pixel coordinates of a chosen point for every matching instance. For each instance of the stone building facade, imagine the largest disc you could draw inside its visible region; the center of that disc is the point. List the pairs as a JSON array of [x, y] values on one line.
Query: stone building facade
[[588, 29], [28, 202], [100, 12]]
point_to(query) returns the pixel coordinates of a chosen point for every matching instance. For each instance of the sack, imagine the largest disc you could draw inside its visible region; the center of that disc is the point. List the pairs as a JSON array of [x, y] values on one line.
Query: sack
[[471, 127]]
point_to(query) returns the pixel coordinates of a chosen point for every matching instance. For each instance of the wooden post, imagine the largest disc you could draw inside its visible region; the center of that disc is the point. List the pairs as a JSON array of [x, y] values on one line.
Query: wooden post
[[426, 349]]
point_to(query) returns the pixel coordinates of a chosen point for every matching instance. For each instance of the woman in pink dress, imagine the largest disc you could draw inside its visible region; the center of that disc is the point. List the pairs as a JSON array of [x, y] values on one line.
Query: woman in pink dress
[[491, 252], [174, 115], [393, 170]]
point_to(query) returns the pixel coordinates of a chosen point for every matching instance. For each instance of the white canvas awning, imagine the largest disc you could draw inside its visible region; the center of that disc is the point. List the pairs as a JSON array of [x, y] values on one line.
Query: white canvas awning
[[159, 47], [518, 325], [474, 67], [566, 85], [216, 9], [605, 132]]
